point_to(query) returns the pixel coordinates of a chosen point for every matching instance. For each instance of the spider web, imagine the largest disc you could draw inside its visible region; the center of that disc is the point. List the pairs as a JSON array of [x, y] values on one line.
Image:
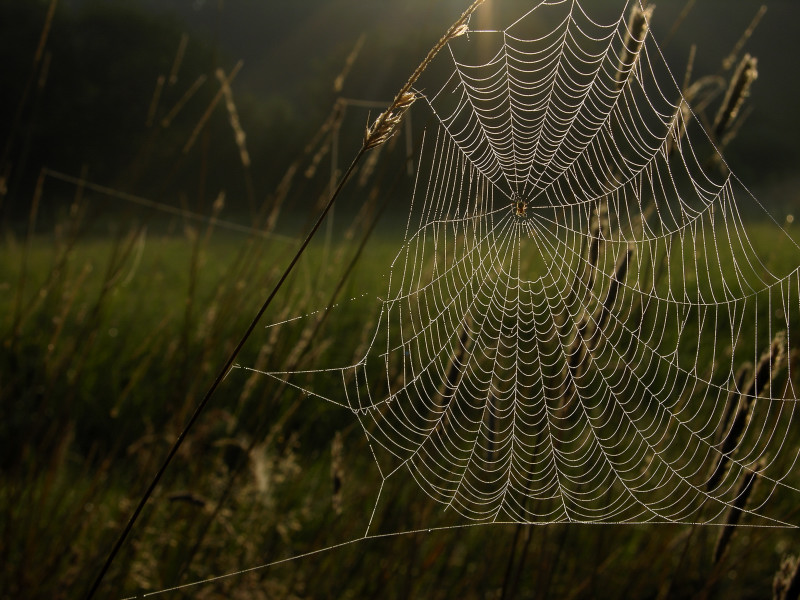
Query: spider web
[[578, 326]]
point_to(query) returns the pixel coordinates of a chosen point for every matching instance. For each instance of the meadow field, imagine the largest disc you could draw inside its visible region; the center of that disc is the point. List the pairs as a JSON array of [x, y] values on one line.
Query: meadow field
[[111, 340], [125, 285]]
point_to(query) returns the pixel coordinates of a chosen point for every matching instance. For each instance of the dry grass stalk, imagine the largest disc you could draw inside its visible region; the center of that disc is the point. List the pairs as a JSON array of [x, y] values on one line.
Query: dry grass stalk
[[179, 56], [687, 76], [281, 193], [638, 27], [329, 128], [5, 163], [603, 313], [768, 366], [23, 273], [734, 129], [598, 231], [744, 373], [588, 330], [738, 91], [207, 115], [334, 117], [48, 25], [323, 150], [337, 472], [585, 275], [687, 8], [338, 83], [678, 127], [786, 583], [729, 60], [735, 511], [379, 132], [44, 71], [167, 121], [151, 112], [369, 167], [385, 126], [233, 113], [261, 362], [455, 371], [585, 279]]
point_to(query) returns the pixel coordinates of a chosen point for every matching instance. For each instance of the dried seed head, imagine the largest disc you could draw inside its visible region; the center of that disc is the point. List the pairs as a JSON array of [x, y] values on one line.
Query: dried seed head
[[786, 583], [638, 27], [678, 127], [738, 91], [768, 366], [459, 31], [735, 511], [385, 126]]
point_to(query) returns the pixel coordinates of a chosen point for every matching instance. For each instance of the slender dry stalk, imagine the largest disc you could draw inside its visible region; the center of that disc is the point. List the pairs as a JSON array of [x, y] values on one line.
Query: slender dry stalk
[[735, 127], [233, 114], [44, 36], [154, 102], [603, 312], [786, 583], [337, 472], [687, 76], [735, 512], [454, 371], [291, 364], [281, 193], [738, 91], [383, 128], [207, 115], [23, 272], [322, 151], [179, 56], [768, 366], [729, 60], [505, 589], [167, 120], [598, 231], [744, 373], [335, 115], [687, 8], [584, 280], [369, 167], [338, 83], [638, 27], [76, 216], [678, 127]]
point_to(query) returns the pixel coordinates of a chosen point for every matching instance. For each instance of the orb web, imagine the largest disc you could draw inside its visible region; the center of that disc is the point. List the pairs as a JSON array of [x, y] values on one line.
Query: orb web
[[579, 326]]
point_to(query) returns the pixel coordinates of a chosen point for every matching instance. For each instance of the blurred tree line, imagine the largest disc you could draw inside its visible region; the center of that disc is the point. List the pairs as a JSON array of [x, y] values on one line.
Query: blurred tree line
[[86, 104]]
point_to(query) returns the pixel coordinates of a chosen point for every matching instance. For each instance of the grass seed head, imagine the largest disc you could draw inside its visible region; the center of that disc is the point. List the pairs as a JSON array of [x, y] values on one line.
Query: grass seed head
[[738, 91]]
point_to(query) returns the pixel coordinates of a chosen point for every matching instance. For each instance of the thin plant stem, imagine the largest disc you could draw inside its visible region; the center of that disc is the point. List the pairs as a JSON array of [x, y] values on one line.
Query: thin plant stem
[[223, 372], [376, 135]]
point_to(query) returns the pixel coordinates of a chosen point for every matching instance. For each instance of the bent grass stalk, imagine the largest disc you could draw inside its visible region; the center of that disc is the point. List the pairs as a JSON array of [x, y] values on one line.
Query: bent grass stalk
[[223, 372], [384, 128]]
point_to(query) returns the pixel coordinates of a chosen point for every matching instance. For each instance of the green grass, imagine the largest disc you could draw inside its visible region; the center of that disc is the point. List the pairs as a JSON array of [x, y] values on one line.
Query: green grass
[[111, 351], [111, 335]]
